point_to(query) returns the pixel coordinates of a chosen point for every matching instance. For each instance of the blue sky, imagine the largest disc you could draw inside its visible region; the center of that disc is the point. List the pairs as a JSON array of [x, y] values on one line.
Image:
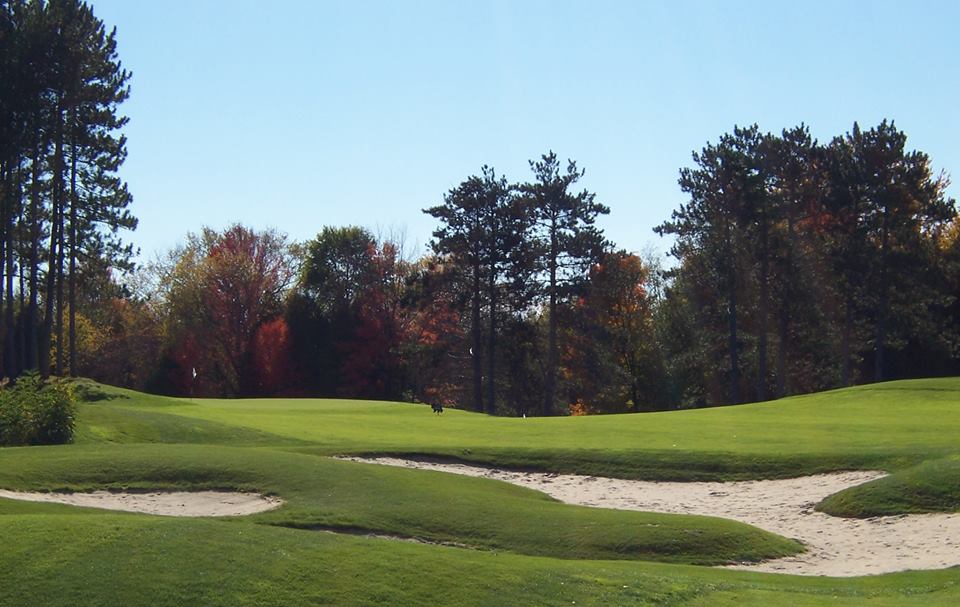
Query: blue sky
[[296, 115]]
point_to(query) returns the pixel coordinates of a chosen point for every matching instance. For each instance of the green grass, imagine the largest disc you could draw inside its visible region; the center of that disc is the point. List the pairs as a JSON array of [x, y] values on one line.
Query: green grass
[[887, 426], [116, 415], [110, 559], [322, 493], [523, 548], [930, 487]]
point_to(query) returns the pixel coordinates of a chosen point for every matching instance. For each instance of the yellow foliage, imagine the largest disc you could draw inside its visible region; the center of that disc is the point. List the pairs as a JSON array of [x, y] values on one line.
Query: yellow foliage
[[90, 339]]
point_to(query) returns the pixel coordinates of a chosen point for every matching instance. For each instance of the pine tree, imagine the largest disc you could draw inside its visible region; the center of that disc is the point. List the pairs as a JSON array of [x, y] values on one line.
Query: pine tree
[[483, 228], [568, 243], [712, 228], [58, 165]]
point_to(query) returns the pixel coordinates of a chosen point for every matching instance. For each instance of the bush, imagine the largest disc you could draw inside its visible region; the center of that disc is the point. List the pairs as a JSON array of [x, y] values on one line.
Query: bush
[[36, 412]]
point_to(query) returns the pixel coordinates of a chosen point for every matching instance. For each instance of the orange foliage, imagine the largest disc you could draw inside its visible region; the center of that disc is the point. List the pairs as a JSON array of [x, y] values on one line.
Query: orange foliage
[[273, 364]]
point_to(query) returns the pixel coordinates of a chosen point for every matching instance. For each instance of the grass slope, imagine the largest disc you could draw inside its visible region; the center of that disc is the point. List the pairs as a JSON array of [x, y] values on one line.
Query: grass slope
[[889, 426], [535, 551], [114, 559], [930, 487], [328, 494]]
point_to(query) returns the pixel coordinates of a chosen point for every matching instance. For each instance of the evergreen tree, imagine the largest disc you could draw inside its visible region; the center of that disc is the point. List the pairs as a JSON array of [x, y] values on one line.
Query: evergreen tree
[[887, 203], [568, 243], [483, 230], [723, 187], [58, 163]]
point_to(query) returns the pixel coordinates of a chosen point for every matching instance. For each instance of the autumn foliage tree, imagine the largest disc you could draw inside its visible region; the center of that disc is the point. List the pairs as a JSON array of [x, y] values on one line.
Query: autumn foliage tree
[[611, 363], [435, 335], [218, 290], [245, 275], [121, 343], [348, 314], [371, 364], [274, 370]]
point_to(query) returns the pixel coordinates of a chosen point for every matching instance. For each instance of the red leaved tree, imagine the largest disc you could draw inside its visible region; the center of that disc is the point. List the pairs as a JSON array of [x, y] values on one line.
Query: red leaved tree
[[274, 369], [220, 289], [371, 365]]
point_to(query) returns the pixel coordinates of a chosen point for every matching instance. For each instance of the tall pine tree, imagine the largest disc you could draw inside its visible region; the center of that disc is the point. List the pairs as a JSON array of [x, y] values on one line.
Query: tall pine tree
[[568, 240]]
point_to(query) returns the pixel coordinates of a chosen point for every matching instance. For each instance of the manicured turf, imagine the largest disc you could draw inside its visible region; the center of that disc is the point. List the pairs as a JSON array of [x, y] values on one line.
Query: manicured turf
[[110, 559], [322, 493], [523, 548], [889, 426], [930, 487]]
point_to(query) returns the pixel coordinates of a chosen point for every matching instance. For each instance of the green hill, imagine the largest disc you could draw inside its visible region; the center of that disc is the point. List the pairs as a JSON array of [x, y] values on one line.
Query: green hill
[[513, 546]]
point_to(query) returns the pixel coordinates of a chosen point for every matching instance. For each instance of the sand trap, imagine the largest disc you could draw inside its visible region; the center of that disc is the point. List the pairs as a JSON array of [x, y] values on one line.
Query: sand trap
[[835, 546], [165, 503]]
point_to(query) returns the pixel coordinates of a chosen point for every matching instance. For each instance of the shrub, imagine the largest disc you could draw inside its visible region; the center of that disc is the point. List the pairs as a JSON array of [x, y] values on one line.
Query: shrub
[[36, 412]]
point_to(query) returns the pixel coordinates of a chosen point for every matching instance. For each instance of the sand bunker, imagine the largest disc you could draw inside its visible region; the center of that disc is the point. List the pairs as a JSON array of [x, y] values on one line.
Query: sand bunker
[[165, 503], [835, 546]]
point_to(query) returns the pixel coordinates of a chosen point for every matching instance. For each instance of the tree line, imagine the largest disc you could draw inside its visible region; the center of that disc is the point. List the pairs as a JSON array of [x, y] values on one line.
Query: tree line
[[799, 266], [241, 312], [804, 266]]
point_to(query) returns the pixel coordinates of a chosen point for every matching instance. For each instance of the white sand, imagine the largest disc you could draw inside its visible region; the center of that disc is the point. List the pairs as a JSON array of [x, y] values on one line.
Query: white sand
[[166, 503], [835, 546]]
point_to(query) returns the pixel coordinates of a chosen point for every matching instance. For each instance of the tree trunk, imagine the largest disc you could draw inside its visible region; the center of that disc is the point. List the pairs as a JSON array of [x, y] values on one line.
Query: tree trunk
[[854, 283], [491, 341], [783, 336], [882, 299], [9, 334], [550, 387], [72, 295], [6, 208], [764, 304], [55, 227], [732, 345], [20, 345], [61, 344], [21, 324], [847, 336], [32, 337], [477, 342], [783, 333]]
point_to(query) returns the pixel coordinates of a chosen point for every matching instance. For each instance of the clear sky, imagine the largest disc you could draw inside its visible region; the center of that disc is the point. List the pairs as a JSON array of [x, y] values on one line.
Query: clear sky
[[296, 115]]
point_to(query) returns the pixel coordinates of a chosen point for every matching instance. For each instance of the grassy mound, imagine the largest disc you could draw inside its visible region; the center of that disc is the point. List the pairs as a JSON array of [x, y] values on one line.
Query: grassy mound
[[930, 487], [116, 559], [334, 495]]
